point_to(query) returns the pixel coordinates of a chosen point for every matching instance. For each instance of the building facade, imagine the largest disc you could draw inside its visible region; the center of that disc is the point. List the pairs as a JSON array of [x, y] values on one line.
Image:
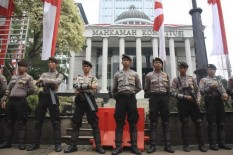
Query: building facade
[[109, 10], [106, 44], [133, 34]]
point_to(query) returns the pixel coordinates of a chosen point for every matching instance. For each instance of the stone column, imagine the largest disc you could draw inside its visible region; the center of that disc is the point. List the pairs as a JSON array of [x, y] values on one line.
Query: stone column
[[88, 49], [104, 80], [188, 56], [71, 72], [154, 42], [121, 51], [139, 63], [172, 58]]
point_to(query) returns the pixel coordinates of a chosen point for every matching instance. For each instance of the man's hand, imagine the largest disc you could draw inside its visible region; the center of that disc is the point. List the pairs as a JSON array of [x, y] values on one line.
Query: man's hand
[[189, 98], [3, 104], [225, 97], [214, 85], [93, 86]]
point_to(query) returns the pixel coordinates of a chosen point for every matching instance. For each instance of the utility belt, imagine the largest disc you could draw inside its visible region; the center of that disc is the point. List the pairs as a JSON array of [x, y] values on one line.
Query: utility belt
[[45, 94], [212, 98], [17, 98], [126, 95], [82, 97], [159, 93]]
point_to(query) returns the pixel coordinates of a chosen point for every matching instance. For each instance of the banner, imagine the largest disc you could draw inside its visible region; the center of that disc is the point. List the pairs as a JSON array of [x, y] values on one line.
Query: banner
[[159, 27], [52, 9]]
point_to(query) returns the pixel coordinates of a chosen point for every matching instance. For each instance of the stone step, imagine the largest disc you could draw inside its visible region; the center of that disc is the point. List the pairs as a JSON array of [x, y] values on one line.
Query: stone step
[[82, 131], [82, 140]]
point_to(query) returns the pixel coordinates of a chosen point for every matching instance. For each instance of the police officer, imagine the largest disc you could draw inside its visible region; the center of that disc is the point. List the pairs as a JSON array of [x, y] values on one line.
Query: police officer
[[126, 85], [50, 82], [157, 88], [185, 89], [3, 85], [19, 87], [215, 94], [85, 86], [230, 87]]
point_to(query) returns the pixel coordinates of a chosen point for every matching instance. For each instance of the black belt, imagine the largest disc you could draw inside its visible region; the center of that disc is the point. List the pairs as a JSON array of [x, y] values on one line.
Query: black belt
[[17, 97], [126, 94], [159, 93]]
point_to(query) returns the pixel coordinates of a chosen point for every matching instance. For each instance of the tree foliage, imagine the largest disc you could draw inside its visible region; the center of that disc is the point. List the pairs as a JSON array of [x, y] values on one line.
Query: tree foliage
[[70, 33]]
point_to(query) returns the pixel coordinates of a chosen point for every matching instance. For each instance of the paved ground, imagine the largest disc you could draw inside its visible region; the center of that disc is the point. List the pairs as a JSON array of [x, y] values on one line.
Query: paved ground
[[87, 150]]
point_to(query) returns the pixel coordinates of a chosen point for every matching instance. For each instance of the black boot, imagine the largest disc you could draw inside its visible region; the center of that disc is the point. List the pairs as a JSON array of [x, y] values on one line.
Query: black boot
[[167, 138], [57, 136], [134, 149], [200, 135], [96, 135], [21, 137], [152, 147], [8, 129], [185, 134], [33, 147], [5, 144], [118, 142], [71, 148], [37, 135], [212, 136], [222, 137], [58, 147], [74, 139]]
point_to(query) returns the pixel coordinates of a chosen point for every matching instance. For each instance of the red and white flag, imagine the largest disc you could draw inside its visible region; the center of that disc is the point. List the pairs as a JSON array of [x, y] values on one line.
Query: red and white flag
[[52, 9], [159, 27], [6, 10], [219, 34]]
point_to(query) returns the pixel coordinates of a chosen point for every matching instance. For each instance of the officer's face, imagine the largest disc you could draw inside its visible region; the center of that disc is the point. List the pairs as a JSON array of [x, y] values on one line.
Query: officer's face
[[22, 69], [52, 65], [86, 68], [182, 69], [211, 71], [126, 62], [157, 65]]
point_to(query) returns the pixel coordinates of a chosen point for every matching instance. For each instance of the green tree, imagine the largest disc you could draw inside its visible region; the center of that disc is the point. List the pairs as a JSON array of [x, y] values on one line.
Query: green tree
[[70, 33]]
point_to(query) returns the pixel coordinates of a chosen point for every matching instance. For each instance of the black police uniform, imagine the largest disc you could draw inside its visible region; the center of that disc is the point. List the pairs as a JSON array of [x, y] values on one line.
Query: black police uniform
[[81, 84], [126, 85], [50, 81], [19, 87], [157, 87], [215, 110], [181, 87]]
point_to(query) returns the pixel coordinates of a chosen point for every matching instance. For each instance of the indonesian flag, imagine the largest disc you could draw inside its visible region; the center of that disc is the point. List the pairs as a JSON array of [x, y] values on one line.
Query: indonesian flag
[[52, 9], [6, 10], [159, 27], [219, 34]]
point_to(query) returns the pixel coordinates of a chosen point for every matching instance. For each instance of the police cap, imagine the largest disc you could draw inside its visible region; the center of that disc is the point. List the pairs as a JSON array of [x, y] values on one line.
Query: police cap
[[158, 59], [85, 62], [184, 64], [126, 57], [212, 66], [23, 63], [53, 60]]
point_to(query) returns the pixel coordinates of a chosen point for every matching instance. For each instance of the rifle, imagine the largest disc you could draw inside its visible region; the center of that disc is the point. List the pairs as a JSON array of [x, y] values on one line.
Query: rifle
[[89, 102], [192, 94], [220, 92], [51, 93]]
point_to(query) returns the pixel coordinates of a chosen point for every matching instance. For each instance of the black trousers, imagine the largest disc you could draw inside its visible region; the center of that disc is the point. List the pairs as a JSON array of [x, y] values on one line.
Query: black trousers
[[82, 107], [215, 110], [159, 104], [16, 109], [126, 105], [186, 109], [45, 103]]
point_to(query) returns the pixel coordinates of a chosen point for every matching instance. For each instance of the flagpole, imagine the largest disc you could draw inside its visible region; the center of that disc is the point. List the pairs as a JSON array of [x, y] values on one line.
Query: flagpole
[[199, 39]]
